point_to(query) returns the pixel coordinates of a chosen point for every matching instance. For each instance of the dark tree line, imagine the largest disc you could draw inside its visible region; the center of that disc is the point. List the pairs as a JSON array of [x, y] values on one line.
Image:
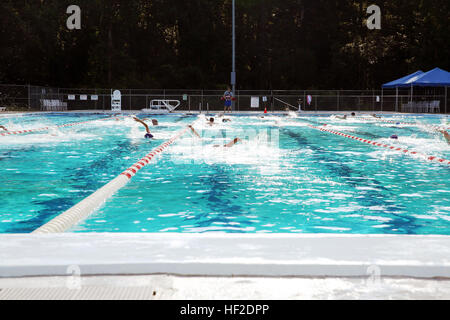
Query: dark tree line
[[281, 44]]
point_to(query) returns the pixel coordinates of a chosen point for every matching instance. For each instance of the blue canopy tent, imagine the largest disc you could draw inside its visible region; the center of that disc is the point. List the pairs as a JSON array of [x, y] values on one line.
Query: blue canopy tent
[[396, 84], [433, 78]]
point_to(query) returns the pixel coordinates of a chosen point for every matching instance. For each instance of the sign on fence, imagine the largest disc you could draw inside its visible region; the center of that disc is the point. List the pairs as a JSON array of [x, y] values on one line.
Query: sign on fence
[[254, 103], [116, 101]]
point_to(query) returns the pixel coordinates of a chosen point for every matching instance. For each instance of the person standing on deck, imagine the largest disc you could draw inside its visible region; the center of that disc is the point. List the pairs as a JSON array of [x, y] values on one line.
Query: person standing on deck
[[228, 98]]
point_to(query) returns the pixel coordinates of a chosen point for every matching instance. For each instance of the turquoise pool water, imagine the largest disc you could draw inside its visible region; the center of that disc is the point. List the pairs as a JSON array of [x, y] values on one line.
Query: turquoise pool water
[[285, 177]]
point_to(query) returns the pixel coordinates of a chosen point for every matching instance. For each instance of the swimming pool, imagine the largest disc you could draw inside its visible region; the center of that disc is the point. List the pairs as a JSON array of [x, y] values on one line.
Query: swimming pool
[[285, 177]]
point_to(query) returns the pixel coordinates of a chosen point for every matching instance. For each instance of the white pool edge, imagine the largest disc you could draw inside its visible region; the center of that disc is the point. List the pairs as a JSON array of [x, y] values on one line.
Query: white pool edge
[[225, 255]]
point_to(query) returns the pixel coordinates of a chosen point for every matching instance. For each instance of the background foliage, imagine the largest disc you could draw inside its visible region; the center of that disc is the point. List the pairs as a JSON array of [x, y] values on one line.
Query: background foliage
[[281, 44]]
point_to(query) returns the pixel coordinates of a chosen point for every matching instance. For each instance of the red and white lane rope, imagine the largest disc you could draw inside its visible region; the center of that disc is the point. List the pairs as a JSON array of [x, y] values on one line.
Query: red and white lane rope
[[382, 145], [133, 170], [9, 133], [408, 123], [83, 209]]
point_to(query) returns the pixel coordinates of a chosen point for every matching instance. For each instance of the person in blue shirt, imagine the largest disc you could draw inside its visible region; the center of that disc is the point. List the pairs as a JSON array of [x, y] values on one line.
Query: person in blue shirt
[[228, 98]]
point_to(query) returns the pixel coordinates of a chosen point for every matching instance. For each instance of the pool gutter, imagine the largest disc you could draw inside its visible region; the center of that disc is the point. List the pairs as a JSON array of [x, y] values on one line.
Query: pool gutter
[[265, 255]]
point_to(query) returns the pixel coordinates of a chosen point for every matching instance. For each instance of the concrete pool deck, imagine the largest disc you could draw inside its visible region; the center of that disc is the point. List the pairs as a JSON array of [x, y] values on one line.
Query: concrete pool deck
[[224, 266], [267, 255], [167, 287]]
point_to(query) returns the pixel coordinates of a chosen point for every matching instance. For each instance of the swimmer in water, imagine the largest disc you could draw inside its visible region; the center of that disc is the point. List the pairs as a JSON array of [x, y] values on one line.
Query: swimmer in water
[[394, 137], [194, 132], [446, 135], [3, 128], [211, 121], [375, 116], [148, 135], [115, 116], [154, 121], [229, 145], [344, 117]]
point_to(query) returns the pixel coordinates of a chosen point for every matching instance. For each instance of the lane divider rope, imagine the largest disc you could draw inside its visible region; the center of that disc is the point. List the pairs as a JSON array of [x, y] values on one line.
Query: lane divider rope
[[9, 133], [407, 123], [377, 144], [83, 209]]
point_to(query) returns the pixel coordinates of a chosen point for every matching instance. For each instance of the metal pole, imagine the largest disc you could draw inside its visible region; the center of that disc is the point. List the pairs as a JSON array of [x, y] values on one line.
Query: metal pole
[[304, 100], [338, 100], [29, 98], [233, 73], [373, 99], [272, 100], [445, 99], [396, 99]]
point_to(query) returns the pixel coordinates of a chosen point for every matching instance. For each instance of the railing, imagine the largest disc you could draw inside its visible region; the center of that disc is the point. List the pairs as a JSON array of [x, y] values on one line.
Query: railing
[[29, 97], [169, 105]]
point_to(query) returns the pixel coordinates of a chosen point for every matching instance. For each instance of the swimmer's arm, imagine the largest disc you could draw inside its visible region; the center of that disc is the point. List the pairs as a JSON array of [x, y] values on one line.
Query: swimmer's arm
[[143, 123], [232, 143], [446, 136], [229, 145], [195, 132]]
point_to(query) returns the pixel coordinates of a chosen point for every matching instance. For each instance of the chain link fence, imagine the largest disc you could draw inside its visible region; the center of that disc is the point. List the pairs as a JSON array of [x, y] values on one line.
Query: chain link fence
[[37, 98]]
